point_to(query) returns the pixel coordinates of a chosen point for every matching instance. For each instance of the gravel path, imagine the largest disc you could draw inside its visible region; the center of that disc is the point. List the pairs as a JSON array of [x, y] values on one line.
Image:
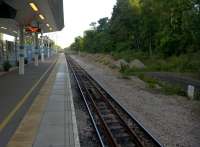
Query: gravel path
[[173, 120]]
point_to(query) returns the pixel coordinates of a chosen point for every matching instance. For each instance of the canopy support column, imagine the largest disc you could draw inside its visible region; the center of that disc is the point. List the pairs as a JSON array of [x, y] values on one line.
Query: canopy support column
[[36, 49], [48, 46], [42, 48], [21, 50]]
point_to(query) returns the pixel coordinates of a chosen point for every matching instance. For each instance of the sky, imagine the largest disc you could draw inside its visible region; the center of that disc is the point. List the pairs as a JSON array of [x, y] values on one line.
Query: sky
[[78, 14]]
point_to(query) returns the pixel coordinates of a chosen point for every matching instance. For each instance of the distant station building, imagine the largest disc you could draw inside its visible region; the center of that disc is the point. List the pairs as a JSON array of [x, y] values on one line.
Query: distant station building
[[26, 20]]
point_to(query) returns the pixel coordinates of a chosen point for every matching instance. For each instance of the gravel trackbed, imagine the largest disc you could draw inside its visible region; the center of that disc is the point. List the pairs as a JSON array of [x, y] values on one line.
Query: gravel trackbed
[[173, 120]]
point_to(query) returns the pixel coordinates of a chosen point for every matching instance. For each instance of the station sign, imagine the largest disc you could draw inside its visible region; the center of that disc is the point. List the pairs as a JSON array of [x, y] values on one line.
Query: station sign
[[32, 29]]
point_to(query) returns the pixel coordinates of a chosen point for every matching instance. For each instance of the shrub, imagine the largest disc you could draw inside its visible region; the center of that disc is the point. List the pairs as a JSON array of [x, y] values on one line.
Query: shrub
[[6, 66]]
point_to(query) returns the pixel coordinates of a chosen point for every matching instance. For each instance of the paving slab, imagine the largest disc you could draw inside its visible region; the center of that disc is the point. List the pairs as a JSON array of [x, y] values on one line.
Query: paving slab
[[17, 92], [25, 134], [51, 120], [58, 128], [14, 86]]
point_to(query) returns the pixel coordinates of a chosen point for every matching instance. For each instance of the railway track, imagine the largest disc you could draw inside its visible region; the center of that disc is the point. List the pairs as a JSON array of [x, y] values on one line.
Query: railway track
[[114, 126]]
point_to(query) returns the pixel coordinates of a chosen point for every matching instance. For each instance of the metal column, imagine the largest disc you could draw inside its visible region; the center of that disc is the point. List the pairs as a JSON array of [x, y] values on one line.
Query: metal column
[[42, 47], [48, 44], [21, 50], [36, 49], [15, 47]]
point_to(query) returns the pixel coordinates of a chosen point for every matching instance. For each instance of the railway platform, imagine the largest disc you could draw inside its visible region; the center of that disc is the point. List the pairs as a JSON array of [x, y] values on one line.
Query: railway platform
[[37, 109], [17, 93]]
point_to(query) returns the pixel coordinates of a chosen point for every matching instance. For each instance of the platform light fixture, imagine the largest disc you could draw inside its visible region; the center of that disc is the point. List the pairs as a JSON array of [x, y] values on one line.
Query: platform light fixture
[[41, 16], [50, 29], [47, 25], [33, 6], [4, 28]]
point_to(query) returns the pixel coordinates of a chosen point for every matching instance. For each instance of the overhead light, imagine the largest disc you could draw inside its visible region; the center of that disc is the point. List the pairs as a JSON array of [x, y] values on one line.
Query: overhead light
[[47, 25], [50, 29], [33, 6], [15, 32], [41, 16], [4, 28]]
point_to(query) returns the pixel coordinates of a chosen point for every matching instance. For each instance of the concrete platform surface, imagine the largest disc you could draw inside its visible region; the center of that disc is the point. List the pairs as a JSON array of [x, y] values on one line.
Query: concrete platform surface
[[56, 123], [17, 93], [13, 86]]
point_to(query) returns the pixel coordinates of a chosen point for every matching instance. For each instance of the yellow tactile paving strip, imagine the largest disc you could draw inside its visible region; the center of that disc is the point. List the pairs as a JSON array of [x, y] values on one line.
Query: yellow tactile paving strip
[[25, 134]]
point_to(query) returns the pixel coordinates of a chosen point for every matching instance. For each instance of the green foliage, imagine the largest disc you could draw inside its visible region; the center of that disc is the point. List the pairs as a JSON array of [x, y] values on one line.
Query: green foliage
[[129, 55], [6, 66], [183, 63], [154, 84], [173, 89], [164, 32], [164, 87]]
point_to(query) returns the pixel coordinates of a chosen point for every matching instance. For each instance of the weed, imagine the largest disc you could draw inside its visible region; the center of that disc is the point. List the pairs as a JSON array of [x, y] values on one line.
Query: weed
[[173, 89], [6, 66]]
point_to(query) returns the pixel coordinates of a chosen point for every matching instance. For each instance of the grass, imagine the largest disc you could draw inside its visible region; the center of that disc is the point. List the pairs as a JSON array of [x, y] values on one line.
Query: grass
[[173, 89], [186, 63], [153, 83], [164, 87]]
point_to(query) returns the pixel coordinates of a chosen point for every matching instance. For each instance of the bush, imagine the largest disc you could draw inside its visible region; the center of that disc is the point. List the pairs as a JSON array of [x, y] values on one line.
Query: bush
[[6, 66]]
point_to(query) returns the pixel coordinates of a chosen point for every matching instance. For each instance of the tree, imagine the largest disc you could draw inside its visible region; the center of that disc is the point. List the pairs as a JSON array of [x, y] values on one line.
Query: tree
[[152, 27]]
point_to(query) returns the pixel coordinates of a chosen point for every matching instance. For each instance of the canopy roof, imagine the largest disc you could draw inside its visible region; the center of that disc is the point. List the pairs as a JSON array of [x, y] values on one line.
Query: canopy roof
[[19, 12]]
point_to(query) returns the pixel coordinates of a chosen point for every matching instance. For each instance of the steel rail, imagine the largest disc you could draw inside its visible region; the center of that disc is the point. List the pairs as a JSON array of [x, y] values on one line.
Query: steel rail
[[130, 131], [79, 73], [128, 113], [88, 109], [111, 139]]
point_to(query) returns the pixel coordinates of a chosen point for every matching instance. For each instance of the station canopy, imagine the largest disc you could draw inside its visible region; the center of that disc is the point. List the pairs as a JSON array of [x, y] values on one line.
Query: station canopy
[[47, 15]]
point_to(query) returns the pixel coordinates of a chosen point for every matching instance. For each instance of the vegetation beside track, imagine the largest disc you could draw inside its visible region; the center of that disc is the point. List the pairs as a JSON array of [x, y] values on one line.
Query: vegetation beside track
[[164, 35]]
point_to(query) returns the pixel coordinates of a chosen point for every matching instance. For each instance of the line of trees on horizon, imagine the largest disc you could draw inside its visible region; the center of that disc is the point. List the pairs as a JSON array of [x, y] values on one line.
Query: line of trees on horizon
[[152, 27]]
